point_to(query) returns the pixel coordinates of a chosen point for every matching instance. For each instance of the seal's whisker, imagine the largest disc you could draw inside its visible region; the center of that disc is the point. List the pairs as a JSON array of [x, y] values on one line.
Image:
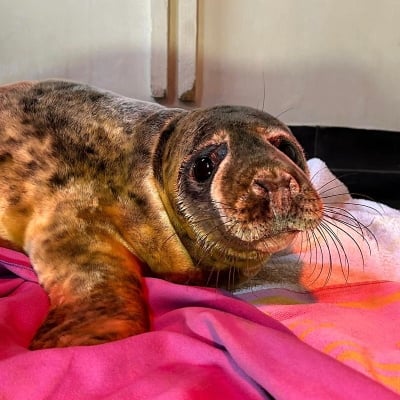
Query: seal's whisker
[[210, 274], [340, 250], [326, 196], [322, 234], [300, 254], [330, 188], [167, 239], [264, 93], [197, 221], [284, 112], [309, 242], [359, 232], [329, 196], [189, 280], [217, 278], [335, 222], [341, 176], [229, 278], [207, 245], [318, 172], [215, 202], [347, 216], [354, 203], [313, 252], [318, 246], [359, 228], [338, 244]]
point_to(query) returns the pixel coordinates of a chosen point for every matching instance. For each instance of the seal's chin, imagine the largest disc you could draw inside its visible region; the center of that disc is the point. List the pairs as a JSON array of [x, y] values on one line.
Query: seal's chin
[[243, 255], [246, 252], [229, 264], [276, 243]]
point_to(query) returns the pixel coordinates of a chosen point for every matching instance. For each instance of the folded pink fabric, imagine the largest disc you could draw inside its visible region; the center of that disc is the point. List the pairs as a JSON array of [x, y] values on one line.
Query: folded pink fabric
[[203, 345]]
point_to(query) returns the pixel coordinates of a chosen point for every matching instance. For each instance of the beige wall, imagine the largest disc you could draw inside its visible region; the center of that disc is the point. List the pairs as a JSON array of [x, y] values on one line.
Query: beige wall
[[102, 42], [329, 62]]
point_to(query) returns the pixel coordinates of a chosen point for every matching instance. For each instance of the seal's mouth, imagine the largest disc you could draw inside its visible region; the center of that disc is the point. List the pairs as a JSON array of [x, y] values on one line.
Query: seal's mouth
[[264, 245], [245, 255], [276, 242]]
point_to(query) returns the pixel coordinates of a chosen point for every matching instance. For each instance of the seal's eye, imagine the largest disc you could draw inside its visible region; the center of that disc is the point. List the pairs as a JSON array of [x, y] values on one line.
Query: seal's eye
[[288, 149], [205, 163], [203, 168]]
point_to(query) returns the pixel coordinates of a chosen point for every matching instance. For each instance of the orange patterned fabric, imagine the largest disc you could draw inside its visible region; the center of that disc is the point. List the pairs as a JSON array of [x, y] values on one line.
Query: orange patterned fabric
[[357, 324]]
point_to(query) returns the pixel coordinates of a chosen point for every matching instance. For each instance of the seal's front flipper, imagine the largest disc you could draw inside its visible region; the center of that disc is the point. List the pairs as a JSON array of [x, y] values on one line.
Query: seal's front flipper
[[92, 279], [100, 317]]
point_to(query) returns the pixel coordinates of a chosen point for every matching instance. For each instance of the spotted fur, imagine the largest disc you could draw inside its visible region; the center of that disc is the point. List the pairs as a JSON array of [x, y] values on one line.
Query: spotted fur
[[96, 187]]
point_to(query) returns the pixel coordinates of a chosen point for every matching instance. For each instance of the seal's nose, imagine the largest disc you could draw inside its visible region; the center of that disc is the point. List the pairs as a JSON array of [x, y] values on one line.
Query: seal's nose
[[277, 188]]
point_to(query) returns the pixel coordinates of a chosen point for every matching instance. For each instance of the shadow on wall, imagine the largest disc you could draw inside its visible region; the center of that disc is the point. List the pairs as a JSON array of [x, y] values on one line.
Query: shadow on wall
[[118, 70], [320, 94], [327, 95]]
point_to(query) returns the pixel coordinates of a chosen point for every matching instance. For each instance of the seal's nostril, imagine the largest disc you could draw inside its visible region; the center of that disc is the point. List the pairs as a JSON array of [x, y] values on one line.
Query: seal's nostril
[[262, 188], [262, 184], [275, 192], [266, 184]]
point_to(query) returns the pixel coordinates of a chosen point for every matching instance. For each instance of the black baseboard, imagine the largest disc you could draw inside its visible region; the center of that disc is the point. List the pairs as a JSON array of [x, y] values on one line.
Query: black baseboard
[[367, 161]]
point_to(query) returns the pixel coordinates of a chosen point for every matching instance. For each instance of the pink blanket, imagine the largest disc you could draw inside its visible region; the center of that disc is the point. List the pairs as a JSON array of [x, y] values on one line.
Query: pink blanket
[[204, 345]]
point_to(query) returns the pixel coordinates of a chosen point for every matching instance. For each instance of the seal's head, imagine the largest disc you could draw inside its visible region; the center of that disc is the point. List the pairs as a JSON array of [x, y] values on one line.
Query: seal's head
[[235, 184]]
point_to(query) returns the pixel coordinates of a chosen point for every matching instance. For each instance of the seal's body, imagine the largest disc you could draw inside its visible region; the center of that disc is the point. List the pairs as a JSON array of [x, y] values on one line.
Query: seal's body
[[92, 181]]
